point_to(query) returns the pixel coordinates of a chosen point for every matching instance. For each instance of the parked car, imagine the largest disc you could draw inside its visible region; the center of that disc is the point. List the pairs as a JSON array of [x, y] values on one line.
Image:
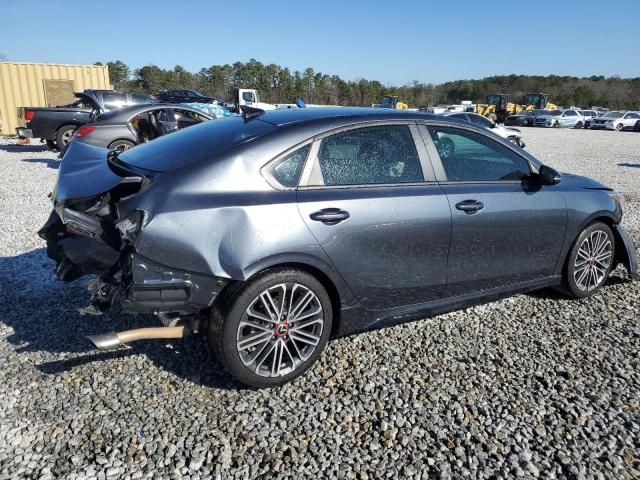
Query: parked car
[[561, 118], [589, 115], [56, 125], [625, 122], [125, 128], [523, 119], [607, 118], [512, 134], [275, 231], [183, 96]]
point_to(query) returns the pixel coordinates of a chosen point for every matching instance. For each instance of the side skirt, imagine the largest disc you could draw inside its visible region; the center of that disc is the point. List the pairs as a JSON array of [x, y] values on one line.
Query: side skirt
[[360, 319]]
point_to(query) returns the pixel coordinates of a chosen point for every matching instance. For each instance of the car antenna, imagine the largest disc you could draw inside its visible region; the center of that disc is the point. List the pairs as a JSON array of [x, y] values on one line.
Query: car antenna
[[249, 113]]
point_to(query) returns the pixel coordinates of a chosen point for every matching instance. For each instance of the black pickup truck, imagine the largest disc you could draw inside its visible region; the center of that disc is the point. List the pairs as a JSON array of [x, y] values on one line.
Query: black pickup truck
[[56, 125]]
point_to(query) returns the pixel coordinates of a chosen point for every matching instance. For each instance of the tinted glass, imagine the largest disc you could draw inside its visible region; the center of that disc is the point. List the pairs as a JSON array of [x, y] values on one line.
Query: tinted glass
[[113, 99], [613, 115], [480, 120], [137, 98], [287, 171], [195, 144], [569, 113], [371, 155], [468, 156]]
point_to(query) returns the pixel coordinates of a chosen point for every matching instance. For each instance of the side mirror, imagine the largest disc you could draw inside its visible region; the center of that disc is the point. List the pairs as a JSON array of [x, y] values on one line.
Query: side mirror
[[548, 176]]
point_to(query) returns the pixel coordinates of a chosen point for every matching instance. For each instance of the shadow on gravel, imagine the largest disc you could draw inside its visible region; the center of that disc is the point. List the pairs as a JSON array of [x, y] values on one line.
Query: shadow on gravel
[[552, 294], [24, 148], [51, 163], [631, 165], [42, 312]]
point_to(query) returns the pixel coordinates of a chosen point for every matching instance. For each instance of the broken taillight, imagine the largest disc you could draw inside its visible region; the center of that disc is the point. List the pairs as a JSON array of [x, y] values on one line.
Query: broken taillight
[[28, 115], [83, 131]]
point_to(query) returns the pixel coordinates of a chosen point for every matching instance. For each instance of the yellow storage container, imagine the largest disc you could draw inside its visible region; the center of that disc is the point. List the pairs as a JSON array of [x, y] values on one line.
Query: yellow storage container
[[24, 84]]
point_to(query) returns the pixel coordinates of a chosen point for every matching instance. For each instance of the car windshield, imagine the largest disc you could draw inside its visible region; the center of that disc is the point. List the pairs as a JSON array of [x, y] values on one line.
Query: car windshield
[[613, 115], [194, 144]]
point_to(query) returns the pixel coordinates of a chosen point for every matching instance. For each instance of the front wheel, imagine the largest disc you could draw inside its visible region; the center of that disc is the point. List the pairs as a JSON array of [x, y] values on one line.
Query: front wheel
[[121, 145], [556, 125], [590, 261], [619, 127], [273, 328]]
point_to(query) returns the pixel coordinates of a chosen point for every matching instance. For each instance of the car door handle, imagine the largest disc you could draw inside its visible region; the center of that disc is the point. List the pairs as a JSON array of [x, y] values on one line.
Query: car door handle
[[330, 216], [470, 206]]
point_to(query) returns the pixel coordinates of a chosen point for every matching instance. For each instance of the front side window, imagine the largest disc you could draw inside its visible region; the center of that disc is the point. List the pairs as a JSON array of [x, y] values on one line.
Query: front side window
[[471, 157], [287, 171], [371, 155]]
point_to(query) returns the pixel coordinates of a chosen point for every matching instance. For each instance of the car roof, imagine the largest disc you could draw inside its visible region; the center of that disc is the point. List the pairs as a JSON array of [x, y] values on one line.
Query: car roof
[[288, 116]]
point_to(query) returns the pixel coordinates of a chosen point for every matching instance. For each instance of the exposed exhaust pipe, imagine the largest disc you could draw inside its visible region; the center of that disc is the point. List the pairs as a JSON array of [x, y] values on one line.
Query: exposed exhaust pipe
[[107, 341]]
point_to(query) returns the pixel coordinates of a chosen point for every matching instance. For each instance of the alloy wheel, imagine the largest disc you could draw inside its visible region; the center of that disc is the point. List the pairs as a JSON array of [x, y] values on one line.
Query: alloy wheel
[[280, 329], [66, 136], [593, 261]]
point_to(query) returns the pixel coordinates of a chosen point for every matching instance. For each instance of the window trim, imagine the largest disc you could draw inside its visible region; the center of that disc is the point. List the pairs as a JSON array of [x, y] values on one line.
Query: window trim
[[436, 161]]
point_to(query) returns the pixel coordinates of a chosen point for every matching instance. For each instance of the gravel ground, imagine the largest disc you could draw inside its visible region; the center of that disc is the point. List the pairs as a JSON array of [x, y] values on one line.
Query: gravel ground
[[531, 386]]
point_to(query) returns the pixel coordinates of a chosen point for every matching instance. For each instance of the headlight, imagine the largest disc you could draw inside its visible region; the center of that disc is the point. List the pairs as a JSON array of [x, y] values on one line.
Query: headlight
[[618, 198]]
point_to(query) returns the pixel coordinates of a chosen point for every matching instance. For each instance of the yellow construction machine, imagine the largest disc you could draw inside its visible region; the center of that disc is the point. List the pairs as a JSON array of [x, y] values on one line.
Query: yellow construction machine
[[391, 101], [538, 101], [497, 107]]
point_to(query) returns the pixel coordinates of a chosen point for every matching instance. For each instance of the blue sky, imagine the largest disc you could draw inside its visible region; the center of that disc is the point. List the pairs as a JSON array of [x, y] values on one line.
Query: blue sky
[[394, 42]]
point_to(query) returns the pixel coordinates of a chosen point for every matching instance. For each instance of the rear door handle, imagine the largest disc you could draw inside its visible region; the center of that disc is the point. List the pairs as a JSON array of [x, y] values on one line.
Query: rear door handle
[[330, 216], [470, 206]]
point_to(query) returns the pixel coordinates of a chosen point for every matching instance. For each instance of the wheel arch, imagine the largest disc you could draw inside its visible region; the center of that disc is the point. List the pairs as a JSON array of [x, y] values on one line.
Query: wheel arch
[[609, 219], [340, 295]]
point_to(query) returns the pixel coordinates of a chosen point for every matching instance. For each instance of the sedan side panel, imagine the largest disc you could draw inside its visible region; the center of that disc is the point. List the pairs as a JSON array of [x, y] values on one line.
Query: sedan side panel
[[392, 250]]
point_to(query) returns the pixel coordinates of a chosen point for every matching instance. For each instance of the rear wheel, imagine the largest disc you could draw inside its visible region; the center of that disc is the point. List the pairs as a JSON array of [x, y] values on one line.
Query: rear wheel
[[636, 127], [121, 145], [590, 261], [64, 135], [578, 125], [273, 328]]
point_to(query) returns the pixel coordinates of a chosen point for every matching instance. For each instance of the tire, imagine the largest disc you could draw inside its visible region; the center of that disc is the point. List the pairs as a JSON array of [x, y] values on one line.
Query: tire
[[121, 145], [578, 125], [260, 351], [63, 136], [584, 273], [556, 125], [51, 144], [636, 127], [619, 127]]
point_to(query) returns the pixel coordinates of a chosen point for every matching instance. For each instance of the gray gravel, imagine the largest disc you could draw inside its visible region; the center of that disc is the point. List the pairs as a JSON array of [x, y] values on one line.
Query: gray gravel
[[532, 386]]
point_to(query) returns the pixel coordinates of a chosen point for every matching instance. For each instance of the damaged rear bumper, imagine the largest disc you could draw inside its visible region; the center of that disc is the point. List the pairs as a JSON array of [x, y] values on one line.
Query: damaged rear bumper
[[81, 245]]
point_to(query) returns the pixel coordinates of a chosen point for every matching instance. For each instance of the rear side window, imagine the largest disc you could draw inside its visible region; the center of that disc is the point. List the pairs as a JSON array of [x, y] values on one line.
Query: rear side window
[[138, 99], [287, 171], [370, 155], [471, 157], [113, 100]]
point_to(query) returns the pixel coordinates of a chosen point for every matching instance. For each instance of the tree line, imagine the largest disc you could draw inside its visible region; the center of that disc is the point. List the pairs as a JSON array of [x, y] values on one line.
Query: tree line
[[278, 84]]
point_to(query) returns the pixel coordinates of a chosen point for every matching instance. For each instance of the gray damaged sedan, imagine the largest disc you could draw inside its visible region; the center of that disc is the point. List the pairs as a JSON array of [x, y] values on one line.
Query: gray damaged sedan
[[275, 231]]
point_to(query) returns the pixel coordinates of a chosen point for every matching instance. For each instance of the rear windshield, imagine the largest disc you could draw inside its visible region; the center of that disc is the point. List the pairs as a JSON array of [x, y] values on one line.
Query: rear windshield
[[194, 144]]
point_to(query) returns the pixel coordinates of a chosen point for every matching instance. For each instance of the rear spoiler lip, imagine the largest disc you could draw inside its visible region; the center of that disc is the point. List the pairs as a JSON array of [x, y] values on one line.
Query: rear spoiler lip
[[126, 170]]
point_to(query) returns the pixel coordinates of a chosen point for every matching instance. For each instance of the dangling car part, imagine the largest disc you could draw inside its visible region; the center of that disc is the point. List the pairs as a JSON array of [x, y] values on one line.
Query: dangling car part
[[283, 228]]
